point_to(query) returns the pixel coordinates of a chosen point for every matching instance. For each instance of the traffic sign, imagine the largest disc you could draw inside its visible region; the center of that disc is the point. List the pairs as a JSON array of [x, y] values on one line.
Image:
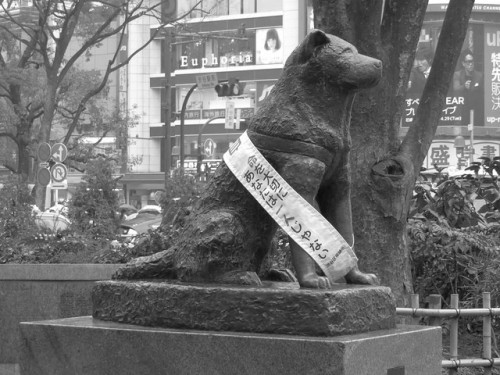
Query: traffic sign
[[44, 152], [43, 176], [207, 81], [59, 152], [209, 146], [58, 172]]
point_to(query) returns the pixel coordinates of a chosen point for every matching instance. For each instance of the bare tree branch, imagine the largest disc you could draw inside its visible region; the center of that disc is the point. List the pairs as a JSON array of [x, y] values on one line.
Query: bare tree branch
[[419, 137]]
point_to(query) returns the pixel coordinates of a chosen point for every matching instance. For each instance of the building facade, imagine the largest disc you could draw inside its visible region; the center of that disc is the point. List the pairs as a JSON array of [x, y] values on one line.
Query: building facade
[[222, 42]]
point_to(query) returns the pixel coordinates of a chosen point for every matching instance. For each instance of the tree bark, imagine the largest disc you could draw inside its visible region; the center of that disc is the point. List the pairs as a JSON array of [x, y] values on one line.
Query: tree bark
[[383, 169]]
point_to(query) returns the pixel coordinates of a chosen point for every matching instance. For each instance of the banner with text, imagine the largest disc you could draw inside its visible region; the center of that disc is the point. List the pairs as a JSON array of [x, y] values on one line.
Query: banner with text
[[301, 221]]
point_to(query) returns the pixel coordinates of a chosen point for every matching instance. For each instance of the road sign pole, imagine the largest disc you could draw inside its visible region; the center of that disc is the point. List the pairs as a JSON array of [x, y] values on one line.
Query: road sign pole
[[183, 113]]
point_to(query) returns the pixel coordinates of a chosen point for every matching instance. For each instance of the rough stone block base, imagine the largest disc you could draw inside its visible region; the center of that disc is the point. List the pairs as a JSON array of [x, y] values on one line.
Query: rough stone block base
[[277, 308], [87, 346]]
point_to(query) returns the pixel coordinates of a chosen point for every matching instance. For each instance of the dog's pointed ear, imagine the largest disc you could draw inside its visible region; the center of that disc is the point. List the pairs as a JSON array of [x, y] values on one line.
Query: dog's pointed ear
[[313, 40]]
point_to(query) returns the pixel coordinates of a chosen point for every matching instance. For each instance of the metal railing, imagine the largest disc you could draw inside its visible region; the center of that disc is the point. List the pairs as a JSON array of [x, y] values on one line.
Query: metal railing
[[435, 312]]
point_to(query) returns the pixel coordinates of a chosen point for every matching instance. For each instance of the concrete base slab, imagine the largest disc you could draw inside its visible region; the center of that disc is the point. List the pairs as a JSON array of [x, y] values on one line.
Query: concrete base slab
[[9, 369], [281, 308], [87, 346]]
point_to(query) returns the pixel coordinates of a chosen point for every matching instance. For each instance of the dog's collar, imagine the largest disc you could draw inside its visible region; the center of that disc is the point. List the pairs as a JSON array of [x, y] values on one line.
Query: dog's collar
[[272, 143]]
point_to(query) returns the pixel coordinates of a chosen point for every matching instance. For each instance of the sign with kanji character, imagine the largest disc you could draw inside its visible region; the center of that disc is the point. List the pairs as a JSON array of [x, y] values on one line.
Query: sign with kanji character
[[445, 154], [230, 113], [440, 155], [207, 81]]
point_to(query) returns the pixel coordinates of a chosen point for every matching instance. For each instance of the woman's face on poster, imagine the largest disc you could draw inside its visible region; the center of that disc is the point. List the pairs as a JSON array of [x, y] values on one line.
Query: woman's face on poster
[[271, 44]]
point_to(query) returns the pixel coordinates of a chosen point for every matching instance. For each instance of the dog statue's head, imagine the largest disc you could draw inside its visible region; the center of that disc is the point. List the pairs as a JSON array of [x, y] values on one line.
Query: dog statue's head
[[333, 61]]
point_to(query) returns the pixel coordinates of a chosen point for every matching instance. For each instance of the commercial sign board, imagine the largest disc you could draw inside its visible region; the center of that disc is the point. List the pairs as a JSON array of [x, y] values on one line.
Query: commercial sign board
[[482, 52], [211, 113], [207, 166], [444, 154], [256, 47]]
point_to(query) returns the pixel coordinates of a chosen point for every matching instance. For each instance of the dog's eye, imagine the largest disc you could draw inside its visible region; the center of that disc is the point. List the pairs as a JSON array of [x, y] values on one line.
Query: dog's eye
[[347, 50]]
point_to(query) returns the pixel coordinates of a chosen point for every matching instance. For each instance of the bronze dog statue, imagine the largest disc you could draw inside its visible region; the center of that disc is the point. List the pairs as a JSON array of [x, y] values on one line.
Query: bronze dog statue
[[302, 130]]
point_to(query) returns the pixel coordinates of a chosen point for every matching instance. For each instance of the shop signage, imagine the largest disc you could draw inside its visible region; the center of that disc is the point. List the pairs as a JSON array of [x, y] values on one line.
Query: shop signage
[[444, 154], [207, 166], [192, 114], [492, 75], [213, 60], [211, 113], [229, 124]]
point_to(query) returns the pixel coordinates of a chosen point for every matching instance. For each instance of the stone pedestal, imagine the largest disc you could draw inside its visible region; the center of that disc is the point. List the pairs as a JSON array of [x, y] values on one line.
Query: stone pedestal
[[277, 308], [87, 346]]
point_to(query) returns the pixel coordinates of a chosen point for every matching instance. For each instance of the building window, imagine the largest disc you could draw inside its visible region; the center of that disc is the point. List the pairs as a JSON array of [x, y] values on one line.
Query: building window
[[227, 49], [205, 104], [228, 7]]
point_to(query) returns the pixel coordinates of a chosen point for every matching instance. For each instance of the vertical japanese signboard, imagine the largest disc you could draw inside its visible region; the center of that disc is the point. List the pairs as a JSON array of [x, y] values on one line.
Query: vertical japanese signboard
[[492, 75]]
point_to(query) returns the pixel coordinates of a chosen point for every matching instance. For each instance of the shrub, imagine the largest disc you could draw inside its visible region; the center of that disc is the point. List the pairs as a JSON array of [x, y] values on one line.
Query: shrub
[[93, 209], [16, 215], [448, 260], [453, 248]]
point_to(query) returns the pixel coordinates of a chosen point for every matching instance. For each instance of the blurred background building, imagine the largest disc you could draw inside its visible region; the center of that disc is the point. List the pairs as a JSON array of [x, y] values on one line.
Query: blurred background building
[[223, 42], [170, 85]]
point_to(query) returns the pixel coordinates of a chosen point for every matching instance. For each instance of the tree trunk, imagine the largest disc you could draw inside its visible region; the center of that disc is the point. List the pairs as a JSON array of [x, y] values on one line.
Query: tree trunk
[[383, 173]]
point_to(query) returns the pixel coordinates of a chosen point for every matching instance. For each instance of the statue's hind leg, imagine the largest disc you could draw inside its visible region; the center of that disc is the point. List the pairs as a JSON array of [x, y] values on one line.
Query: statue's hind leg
[[215, 246]]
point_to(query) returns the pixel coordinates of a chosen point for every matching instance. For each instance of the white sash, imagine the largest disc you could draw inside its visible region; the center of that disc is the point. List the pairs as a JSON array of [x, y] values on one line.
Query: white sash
[[306, 226]]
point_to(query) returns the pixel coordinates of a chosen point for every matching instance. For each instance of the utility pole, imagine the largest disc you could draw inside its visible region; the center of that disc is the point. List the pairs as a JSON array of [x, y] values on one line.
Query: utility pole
[[471, 129], [167, 68]]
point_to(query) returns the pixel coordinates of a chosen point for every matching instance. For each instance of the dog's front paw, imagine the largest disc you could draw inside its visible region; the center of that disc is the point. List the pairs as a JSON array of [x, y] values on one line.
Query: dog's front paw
[[355, 276], [315, 282]]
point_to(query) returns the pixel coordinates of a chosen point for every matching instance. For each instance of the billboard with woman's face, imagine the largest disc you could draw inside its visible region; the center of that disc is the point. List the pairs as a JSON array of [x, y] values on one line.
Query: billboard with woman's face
[[268, 46]]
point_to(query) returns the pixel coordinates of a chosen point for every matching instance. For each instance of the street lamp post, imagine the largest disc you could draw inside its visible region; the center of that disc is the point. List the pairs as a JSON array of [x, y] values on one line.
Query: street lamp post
[[183, 112], [167, 68]]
